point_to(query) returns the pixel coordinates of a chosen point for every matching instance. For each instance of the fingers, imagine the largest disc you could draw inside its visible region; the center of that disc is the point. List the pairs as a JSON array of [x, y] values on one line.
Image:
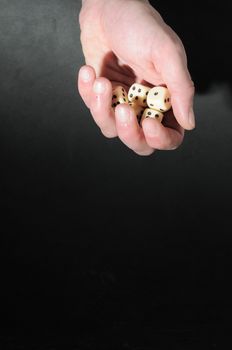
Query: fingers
[[97, 95], [129, 130], [86, 78], [162, 137], [172, 65], [100, 107]]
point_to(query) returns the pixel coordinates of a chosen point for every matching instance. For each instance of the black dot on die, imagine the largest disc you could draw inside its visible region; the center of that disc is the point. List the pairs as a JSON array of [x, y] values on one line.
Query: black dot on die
[[149, 113], [165, 100], [161, 110], [114, 96], [157, 115], [118, 103], [144, 101], [123, 90], [147, 93], [139, 90], [156, 93], [131, 95], [151, 105], [124, 99], [136, 97], [168, 99], [133, 88], [123, 94]]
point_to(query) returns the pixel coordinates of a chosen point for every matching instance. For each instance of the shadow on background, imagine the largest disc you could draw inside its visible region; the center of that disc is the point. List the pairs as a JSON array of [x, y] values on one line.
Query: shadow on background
[[100, 248], [204, 31]]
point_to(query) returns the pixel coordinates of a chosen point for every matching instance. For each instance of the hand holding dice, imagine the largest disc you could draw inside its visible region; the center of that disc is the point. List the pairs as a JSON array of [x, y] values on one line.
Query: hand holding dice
[[146, 102], [114, 59]]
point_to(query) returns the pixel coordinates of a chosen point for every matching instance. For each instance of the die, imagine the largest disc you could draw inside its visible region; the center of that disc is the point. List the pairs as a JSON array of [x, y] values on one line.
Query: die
[[151, 113], [138, 93], [119, 95], [137, 109], [159, 99]]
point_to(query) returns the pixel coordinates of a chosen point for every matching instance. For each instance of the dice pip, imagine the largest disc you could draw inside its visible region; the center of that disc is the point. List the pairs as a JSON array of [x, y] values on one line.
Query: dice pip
[[138, 93], [159, 99], [119, 95], [146, 102], [151, 113]]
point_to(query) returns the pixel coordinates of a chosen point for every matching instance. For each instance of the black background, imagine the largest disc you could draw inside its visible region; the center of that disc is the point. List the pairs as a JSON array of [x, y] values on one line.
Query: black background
[[101, 248]]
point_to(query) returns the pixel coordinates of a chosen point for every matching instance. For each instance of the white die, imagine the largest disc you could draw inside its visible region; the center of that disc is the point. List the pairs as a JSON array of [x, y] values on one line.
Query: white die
[[151, 113], [138, 93], [119, 95], [159, 99]]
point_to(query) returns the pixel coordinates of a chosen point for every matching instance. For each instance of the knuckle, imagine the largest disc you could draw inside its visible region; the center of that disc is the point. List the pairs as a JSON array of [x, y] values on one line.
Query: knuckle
[[190, 85]]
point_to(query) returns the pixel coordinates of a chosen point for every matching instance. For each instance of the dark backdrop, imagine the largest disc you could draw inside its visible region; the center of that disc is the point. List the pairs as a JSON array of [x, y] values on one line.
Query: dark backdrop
[[101, 248]]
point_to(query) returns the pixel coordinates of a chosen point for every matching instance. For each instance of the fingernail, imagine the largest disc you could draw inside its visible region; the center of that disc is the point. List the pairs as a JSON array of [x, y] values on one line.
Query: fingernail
[[124, 115], [191, 118], [98, 87], [85, 76]]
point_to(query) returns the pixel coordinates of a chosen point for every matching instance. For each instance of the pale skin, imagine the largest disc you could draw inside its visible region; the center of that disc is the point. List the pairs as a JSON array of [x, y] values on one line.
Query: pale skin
[[127, 41]]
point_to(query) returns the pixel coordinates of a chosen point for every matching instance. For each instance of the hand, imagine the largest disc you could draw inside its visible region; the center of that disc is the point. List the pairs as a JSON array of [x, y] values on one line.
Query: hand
[[127, 41]]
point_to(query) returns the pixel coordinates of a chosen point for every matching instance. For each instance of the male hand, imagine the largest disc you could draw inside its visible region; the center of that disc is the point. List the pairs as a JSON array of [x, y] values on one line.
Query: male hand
[[127, 41]]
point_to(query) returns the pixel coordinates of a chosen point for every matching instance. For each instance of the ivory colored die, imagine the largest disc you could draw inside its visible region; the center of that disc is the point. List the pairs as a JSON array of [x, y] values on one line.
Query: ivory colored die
[[119, 95], [137, 109], [151, 113], [159, 99], [138, 93]]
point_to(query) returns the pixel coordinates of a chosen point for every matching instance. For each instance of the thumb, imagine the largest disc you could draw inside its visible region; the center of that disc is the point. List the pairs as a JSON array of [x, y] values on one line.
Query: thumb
[[172, 64]]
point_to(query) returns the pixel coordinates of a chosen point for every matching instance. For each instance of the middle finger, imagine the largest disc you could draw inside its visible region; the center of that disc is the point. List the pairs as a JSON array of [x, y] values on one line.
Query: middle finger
[[129, 131]]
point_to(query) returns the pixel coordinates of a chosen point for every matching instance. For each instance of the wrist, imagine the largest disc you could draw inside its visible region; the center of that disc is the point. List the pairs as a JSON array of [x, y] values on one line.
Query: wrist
[[92, 1], [101, 1], [89, 6]]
